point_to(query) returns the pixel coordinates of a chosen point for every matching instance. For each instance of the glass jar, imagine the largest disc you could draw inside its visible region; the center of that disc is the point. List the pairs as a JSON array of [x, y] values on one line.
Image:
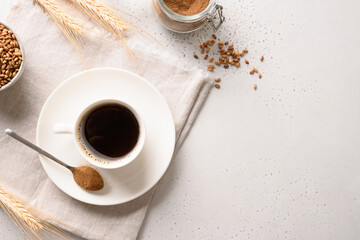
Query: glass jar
[[183, 24]]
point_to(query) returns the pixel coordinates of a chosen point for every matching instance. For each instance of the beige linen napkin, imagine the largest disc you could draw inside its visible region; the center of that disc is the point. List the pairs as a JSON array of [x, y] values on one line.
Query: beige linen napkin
[[50, 59]]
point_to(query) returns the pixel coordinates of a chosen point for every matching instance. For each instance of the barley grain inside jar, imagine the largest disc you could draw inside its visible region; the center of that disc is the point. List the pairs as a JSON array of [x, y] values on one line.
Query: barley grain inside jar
[[185, 16]]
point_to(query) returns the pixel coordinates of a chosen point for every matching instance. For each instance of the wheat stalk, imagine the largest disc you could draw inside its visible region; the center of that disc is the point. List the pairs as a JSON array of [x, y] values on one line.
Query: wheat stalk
[[25, 219], [104, 17], [17, 209], [71, 28], [107, 19], [103, 14]]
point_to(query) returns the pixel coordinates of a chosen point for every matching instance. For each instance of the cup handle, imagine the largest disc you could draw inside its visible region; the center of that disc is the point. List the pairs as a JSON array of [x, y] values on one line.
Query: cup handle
[[63, 128]]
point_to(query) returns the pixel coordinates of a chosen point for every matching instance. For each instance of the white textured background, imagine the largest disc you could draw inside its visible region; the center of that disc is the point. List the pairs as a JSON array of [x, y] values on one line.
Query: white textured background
[[281, 162]]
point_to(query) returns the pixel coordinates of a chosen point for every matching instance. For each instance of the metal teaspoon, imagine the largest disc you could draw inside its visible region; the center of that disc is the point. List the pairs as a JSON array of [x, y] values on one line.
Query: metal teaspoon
[[84, 176]]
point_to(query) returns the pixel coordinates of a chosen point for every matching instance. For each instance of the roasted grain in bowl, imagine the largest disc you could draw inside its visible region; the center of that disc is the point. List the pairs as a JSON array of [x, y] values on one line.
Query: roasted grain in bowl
[[11, 57]]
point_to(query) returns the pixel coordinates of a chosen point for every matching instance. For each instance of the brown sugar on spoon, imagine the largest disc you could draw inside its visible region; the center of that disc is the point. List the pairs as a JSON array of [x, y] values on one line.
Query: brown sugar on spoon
[[88, 178]]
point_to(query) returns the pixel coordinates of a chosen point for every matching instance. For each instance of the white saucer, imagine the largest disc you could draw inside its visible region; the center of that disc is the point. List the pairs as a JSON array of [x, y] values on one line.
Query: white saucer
[[65, 103]]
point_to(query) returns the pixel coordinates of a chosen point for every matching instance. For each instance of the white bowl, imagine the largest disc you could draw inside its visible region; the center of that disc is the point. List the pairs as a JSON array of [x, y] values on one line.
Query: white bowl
[[21, 69]]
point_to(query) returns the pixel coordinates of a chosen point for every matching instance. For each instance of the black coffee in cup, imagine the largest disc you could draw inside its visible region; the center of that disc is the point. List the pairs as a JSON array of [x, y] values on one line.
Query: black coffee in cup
[[112, 130]]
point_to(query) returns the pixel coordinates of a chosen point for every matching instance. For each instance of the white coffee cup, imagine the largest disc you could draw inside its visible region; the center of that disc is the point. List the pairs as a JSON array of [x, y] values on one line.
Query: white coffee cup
[[91, 155]]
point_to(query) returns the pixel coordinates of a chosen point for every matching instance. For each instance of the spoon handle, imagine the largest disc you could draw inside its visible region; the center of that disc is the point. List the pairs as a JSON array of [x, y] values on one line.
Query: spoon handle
[[36, 148]]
